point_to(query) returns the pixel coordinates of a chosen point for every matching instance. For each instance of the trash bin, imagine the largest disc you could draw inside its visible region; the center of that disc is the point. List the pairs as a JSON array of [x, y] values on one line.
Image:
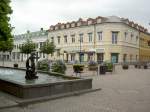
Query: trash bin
[[102, 69]]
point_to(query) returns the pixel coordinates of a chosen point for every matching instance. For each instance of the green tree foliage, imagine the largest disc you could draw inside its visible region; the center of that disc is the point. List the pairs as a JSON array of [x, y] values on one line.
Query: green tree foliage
[[5, 27], [27, 47], [48, 47], [6, 45]]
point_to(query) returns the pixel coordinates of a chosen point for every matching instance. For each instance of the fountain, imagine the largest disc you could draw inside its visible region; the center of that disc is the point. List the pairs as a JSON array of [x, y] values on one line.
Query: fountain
[[29, 84]]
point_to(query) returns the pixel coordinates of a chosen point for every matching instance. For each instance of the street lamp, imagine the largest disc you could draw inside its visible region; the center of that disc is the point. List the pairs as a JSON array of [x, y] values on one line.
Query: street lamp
[[80, 51]]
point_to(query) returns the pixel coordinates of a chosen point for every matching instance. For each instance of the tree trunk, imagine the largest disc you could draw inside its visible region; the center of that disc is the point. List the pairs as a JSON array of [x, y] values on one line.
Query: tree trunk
[[22, 57], [27, 56], [3, 58]]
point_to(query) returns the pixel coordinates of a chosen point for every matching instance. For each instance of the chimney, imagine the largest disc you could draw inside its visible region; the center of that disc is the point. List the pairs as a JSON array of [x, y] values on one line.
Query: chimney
[[41, 29]]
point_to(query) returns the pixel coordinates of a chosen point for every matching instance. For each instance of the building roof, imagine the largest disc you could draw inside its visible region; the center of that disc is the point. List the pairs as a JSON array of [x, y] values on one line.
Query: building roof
[[97, 20], [32, 34]]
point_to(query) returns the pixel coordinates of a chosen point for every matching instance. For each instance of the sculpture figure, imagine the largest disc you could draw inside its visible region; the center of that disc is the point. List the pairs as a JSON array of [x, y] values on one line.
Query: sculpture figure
[[30, 67]]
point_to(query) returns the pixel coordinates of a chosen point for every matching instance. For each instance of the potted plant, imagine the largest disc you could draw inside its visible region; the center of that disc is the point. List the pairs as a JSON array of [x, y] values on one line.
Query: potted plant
[[78, 68], [15, 65], [125, 66], [145, 67], [92, 65], [109, 66]]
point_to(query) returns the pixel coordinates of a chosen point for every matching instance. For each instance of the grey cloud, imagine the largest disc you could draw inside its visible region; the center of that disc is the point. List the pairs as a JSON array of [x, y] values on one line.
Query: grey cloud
[[34, 14]]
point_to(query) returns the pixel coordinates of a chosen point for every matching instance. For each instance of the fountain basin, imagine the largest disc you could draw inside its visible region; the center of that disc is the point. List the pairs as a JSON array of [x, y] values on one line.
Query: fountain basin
[[13, 82]]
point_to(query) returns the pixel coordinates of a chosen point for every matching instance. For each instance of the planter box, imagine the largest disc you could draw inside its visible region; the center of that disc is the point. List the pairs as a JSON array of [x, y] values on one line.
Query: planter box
[[78, 68], [125, 67], [145, 67], [92, 68]]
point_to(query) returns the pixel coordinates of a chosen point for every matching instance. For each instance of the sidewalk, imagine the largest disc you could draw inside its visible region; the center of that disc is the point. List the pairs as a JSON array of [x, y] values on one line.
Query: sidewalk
[[122, 91]]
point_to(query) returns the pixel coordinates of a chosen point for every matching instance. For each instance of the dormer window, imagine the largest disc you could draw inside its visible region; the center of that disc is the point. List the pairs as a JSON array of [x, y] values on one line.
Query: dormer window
[[99, 20], [56, 27], [79, 24], [89, 22], [73, 24], [68, 25], [52, 28], [62, 26]]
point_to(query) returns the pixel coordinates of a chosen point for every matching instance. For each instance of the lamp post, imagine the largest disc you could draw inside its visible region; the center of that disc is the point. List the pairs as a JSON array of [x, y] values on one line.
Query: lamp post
[[80, 51]]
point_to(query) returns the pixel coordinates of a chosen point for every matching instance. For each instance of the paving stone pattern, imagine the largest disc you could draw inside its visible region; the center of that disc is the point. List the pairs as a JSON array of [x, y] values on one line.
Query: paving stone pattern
[[122, 91]]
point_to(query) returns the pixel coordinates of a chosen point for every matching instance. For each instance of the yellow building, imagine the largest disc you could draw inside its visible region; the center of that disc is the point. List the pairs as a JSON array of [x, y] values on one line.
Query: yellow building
[[144, 51], [101, 39]]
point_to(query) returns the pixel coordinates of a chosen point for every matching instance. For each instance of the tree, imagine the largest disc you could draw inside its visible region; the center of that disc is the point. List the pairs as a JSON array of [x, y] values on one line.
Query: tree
[[6, 39], [48, 47], [6, 45], [5, 27], [27, 47]]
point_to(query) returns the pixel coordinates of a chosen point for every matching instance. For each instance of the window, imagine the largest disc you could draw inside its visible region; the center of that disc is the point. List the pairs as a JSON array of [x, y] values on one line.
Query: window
[[137, 38], [132, 36], [81, 38], [58, 52], [65, 39], [41, 44], [73, 38], [43, 55], [99, 36], [136, 57], [114, 37], [52, 39], [90, 37], [58, 39], [125, 34]]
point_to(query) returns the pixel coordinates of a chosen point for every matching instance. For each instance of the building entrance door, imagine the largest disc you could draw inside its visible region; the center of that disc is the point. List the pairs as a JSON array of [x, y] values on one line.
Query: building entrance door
[[114, 57], [100, 57], [72, 57]]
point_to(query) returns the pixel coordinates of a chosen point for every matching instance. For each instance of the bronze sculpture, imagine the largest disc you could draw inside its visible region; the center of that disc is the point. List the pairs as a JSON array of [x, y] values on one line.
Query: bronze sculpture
[[30, 67]]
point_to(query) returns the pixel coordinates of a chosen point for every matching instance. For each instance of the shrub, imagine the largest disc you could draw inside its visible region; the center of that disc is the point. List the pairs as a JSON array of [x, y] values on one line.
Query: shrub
[[43, 65], [59, 67], [109, 65]]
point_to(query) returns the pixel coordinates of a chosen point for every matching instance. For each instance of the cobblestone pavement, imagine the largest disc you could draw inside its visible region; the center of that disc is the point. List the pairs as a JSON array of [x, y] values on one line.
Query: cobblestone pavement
[[122, 91]]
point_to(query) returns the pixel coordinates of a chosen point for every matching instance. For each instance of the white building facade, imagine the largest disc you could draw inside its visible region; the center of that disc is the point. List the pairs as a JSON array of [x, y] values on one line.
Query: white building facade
[[38, 37]]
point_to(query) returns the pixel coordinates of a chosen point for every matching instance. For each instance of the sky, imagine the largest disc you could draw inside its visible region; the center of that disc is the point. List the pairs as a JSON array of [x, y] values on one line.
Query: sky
[[35, 14]]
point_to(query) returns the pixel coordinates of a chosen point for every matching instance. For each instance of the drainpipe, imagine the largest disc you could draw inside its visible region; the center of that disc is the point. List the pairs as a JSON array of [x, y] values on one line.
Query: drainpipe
[[139, 46]]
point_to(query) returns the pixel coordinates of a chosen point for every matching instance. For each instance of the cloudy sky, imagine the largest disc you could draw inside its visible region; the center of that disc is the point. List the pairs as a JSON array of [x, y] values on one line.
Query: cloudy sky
[[34, 14]]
